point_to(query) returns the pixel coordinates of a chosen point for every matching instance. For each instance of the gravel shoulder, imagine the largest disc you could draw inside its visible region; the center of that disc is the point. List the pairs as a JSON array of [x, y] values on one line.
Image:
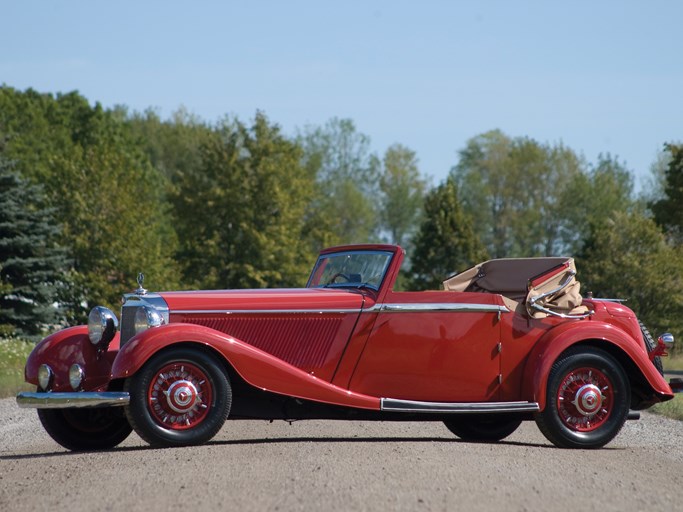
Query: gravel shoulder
[[322, 465]]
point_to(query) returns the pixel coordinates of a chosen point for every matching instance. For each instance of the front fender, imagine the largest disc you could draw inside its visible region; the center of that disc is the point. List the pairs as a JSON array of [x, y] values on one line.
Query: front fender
[[554, 342], [66, 347], [256, 367]]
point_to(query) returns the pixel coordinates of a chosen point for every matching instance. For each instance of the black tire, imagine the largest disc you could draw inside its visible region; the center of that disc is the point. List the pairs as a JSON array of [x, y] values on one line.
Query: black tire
[[180, 397], [651, 344], [482, 427], [86, 429], [574, 415]]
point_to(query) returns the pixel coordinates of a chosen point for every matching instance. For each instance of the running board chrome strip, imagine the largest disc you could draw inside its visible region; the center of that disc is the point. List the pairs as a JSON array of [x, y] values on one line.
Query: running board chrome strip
[[395, 405]]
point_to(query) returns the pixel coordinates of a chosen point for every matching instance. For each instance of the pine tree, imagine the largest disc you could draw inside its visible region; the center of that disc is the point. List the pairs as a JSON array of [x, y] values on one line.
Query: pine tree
[[669, 210], [32, 265], [446, 241]]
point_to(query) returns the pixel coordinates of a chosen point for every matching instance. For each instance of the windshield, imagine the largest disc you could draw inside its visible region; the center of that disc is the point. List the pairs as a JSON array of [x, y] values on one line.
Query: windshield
[[353, 269]]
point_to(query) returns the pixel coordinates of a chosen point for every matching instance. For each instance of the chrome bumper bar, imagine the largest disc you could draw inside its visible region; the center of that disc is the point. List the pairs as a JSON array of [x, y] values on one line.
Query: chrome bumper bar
[[72, 400]]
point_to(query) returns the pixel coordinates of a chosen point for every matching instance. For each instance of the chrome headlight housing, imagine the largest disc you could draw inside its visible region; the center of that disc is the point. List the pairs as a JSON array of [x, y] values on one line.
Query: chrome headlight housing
[[147, 317], [102, 325]]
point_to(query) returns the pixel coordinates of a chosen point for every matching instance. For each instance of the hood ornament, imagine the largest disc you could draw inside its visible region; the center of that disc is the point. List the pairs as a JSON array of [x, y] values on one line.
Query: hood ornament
[[141, 279]]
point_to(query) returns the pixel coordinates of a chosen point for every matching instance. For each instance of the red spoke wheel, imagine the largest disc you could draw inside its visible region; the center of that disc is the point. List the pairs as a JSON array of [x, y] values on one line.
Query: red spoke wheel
[[584, 399], [181, 396], [587, 399]]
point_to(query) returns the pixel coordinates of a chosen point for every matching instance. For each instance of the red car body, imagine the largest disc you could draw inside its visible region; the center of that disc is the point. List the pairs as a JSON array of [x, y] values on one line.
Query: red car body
[[351, 349]]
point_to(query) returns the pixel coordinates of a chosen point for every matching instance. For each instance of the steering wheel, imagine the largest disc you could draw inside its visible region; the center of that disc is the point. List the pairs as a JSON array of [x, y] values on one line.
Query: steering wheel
[[339, 274]]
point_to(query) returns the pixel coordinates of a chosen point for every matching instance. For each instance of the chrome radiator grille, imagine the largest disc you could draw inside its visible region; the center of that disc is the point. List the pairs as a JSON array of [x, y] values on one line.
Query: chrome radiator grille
[[131, 304]]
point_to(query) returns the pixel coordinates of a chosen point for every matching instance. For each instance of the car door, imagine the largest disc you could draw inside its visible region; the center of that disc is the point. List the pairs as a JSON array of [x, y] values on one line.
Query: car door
[[433, 346]]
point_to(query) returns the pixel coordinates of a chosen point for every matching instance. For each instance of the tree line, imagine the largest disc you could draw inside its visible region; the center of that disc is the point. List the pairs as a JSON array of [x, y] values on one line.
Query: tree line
[[91, 196]]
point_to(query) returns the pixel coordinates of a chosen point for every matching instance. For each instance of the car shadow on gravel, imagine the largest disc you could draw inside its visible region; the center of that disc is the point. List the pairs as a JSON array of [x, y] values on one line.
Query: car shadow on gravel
[[279, 440], [342, 440]]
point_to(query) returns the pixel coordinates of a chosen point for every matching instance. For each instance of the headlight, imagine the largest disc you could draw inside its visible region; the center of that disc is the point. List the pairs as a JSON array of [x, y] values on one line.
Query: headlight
[[102, 325], [45, 374], [76, 376], [667, 338], [146, 317]]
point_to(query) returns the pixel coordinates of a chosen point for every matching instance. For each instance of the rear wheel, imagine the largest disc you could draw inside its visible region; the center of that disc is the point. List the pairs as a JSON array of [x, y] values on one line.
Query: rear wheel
[[484, 427], [86, 429], [587, 400], [181, 396]]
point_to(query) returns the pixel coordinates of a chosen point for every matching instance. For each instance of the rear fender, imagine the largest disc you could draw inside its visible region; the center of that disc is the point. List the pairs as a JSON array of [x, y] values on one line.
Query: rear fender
[[257, 368], [552, 344]]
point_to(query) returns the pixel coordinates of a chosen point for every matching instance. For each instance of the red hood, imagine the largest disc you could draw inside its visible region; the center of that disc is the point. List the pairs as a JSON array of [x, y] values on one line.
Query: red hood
[[263, 299]]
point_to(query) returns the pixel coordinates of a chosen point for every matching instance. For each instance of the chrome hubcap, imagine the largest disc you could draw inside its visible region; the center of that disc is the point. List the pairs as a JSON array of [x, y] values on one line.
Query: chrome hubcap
[[588, 400], [182, 396]]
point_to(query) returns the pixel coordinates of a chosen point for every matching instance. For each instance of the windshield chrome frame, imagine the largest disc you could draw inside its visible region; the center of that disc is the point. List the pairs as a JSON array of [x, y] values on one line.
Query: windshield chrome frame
[[387, 265]]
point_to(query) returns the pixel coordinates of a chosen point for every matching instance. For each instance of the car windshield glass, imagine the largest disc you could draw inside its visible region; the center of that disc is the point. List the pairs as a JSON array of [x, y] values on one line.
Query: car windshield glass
[[352, 269]]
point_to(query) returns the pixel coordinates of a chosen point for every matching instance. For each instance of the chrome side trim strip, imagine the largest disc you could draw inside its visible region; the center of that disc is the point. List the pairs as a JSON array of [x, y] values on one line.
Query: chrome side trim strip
[[445, 306], [72, 400], [384, 308], [262, 311], [395, 405]]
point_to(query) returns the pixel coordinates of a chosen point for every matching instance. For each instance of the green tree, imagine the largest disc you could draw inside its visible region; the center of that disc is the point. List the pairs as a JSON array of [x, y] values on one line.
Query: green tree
[[402, 194], [592, 197], [106, 196], [32, 264], [173, 146], [446, 241], [338, 159], [627, 257], [532, 199], [668, 211], [512, 190], [240, 216]]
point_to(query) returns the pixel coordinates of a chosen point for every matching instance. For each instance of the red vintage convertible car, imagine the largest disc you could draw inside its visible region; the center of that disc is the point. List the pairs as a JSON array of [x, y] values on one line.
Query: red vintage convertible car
[[506, 341]]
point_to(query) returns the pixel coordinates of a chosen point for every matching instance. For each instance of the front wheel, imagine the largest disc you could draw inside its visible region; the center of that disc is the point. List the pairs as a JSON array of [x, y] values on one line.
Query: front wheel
[[587, 400], [86, 429], [180, 397], [486, 427]]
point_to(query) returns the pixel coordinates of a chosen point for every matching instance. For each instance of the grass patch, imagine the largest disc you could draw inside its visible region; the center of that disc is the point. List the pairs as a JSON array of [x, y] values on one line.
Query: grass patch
[[13, 355], [672, 408], [673, 363]]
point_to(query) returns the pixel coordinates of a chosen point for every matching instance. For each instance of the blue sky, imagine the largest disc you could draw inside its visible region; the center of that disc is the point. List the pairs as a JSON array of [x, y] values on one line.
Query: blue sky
[[601, 76]]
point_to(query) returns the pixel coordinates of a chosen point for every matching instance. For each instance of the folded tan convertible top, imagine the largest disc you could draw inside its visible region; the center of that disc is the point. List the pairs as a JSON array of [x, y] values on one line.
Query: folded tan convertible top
[[526, 281]]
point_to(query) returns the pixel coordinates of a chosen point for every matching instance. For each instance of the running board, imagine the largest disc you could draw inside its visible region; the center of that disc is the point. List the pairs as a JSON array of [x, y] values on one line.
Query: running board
[[395, 405]]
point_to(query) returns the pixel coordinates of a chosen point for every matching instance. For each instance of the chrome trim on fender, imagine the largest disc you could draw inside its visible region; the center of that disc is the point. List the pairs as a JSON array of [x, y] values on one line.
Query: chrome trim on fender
[[263, 311], [393, 404], [28, 400], [446, 306], [377, 308]]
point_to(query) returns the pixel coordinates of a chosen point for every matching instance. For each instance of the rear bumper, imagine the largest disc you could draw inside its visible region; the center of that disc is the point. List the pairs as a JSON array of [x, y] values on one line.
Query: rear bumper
[[72, 400]]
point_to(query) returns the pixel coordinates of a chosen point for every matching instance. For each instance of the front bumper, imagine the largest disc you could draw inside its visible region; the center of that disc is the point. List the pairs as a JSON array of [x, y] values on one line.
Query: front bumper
[[72, 400]]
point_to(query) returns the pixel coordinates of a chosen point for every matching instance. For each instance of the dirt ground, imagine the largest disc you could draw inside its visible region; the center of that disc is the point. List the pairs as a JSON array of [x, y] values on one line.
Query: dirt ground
[[328, 465]]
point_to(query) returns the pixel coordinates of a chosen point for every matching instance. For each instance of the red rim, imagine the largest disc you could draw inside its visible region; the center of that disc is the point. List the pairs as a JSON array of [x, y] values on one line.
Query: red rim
[[585, 399], [179, 396]]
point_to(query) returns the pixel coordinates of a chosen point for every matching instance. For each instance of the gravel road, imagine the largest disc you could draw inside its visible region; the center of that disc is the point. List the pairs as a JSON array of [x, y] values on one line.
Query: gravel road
[[327, 465]]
